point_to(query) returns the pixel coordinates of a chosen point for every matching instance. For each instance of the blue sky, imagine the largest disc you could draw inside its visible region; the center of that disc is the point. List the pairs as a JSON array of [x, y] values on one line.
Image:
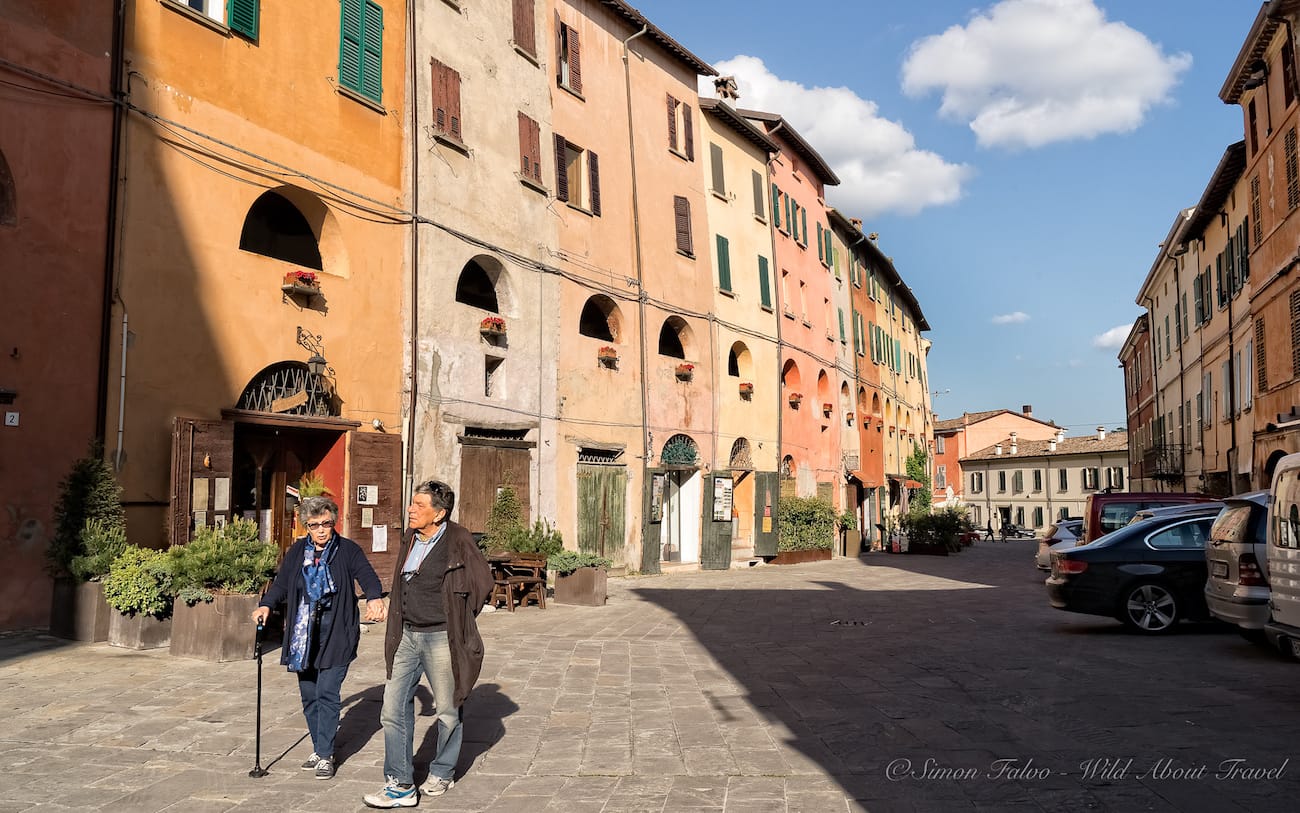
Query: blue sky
[[1020, 159]]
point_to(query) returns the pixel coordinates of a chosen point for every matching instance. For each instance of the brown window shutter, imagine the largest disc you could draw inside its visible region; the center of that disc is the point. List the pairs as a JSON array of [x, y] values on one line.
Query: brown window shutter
[[690, 132], [453, 102], [593, 174], [672, 122], [525, 141], [441, 105], [561, 168], [682, 219], [559, 46], [575, 62], [525, 25], [536, 145]]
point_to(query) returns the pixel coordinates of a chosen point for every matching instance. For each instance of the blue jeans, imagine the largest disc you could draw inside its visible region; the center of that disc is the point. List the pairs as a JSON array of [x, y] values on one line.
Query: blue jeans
[[419, 654], [320, 690]]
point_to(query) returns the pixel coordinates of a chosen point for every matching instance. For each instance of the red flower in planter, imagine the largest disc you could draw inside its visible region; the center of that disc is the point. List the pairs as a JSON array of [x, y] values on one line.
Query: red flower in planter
[[301, 278], [493, 323], [607, 352]]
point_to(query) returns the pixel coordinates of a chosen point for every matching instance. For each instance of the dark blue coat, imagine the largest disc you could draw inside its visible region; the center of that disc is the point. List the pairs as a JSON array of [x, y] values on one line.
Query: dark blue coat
[[340, 625]]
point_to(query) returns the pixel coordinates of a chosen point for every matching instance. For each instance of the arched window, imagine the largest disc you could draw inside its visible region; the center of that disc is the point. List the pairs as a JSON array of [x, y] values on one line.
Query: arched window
[[8, 195], [739, 361], [275, 228], [790, 378], [475, 288], [741, 459], [787, 467], [600, 319], [674, 337]]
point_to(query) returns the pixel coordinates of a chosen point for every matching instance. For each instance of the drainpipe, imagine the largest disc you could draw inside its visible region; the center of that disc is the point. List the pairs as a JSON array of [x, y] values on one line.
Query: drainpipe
[[411, 102], [640, 271], [1182, 370], [776, 316], [118, 64]]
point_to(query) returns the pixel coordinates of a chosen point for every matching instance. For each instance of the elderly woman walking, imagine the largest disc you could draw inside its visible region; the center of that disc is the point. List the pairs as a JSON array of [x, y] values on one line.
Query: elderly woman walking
[[321, 620]]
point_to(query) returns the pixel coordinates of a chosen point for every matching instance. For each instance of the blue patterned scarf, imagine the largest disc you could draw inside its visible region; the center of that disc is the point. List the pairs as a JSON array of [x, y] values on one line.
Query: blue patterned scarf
[[320, 584]]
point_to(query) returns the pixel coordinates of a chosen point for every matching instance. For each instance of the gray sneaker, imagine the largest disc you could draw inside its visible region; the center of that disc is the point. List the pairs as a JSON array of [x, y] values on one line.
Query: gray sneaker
[[437, 787], [325, 768], [310, 763]]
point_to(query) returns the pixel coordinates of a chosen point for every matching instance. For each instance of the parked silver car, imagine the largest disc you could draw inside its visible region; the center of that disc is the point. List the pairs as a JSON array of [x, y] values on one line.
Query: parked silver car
[[1237, 589], [1068, 531]]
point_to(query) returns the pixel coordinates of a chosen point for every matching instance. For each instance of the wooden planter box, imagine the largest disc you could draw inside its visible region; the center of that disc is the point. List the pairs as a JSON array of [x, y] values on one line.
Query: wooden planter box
[[78, 611], [927, 550], [139, 631], [797, 557], [221, 630], [585, 586]]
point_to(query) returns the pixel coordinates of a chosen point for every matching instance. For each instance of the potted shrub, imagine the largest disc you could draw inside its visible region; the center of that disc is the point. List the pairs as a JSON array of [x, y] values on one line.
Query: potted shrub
[[139, 588], [89, 494], [685, 372], [505, 521], [805, 530], [580, 578], [217, 578]]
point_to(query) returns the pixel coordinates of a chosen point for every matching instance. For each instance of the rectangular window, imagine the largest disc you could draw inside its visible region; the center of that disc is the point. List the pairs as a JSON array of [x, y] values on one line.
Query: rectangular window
[[821, 245], [1288, 72], [446, 101], [724, 264], [1248, 377], [843, 337], [1038, 516], [569, 59], [1167, 343], [1062, 513], [794, 220], [1020, 515], [1225, 376], [1062, 480], [1090, 479], [1002, 482], [764, 284], [682, 225], [760, 211], [530, 149], [525, 26], [776, 206], [1196, 297], [1200, 412], [1018, 482], [1257, 235], [1252, 127], [1261, 371], [681, 134], [977, 482], [240, 16], [803, 227], [940, 477], [940, 444], [577, 176], [361, 48], [1038, 479], [1116, 477], [715, 164]]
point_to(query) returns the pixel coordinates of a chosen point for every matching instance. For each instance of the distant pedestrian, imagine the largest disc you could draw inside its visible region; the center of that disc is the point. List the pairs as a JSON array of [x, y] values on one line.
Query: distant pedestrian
[[988, 531], [440, 584], [322, 626]]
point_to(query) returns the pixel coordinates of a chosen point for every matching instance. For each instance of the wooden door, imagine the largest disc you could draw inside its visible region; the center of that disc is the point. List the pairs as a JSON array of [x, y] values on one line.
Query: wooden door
[[602, 510], [484, 469], [375, 468], [652, 498], [715, 525], [767, 485], [202, 465]]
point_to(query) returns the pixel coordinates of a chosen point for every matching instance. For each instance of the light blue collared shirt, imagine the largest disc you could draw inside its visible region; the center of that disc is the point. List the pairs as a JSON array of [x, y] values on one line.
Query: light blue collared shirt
[[419, 550]]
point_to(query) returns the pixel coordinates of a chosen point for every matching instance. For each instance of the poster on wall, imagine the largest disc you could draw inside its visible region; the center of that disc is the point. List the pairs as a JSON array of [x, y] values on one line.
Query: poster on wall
[[722, 487], [657, 498], [368, 495]]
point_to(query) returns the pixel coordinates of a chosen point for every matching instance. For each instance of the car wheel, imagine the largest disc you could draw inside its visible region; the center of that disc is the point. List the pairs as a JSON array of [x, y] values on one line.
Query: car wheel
[[1149, 607]]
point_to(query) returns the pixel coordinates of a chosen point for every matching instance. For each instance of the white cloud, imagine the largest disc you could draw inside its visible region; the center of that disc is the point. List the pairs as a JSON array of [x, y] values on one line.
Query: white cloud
[[879, 165], [1025, 73], [1011, 318], [1112, 339]]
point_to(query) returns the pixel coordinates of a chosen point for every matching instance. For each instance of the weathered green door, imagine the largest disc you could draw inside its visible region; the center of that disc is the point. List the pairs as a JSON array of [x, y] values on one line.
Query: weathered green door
[[766, 491], [652, 513], [715, 527], [602, 504]]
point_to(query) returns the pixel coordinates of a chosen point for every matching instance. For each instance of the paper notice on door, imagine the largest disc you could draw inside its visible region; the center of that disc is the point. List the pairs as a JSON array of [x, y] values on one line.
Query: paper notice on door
[[199, 494], [200, 519], [378, 538], [367, 517], [767, 525], [221, 494]]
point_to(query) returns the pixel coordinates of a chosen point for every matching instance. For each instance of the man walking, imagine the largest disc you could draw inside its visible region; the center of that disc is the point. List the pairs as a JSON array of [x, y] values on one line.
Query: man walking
[[439, 586]]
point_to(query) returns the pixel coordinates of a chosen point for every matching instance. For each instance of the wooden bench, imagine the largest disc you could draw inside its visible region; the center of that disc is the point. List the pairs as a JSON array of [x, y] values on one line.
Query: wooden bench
[[518, 578]]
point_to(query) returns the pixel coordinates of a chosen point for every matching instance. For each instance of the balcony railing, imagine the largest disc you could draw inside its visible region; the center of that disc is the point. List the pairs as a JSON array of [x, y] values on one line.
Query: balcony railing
[[1164, 461]]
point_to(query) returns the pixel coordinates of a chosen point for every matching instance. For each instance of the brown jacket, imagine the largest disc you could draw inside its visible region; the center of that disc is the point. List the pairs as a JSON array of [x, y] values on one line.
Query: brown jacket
[[465, 588]]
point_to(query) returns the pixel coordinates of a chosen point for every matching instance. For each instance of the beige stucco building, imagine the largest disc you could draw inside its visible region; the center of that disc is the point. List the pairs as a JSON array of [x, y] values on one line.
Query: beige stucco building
[[970, 432], [744, 339], [262, 256], [1033, 483]]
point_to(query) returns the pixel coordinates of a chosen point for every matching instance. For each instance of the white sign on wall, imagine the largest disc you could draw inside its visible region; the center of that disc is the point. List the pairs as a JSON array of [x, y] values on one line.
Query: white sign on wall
[[368, 495]]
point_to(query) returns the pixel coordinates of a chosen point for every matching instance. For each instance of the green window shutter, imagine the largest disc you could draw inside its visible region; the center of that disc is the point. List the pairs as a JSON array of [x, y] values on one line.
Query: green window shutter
[[841, 315], [857, 335], [872, 337], [821, 244], [785, 208], [724, 264], [243, 17], [350, 44], [372, 62], [830, 247], [898, 355], [803, 217], [764, 285], [776, 206]]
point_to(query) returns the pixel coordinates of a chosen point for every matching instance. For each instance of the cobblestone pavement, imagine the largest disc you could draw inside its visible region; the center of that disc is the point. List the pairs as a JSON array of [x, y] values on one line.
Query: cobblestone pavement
[[881, 684]]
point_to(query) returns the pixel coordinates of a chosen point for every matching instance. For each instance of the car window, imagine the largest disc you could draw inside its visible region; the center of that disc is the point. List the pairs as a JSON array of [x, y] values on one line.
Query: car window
[[1232, 526], [1116, 515], [1284, 511], [1183, 536]]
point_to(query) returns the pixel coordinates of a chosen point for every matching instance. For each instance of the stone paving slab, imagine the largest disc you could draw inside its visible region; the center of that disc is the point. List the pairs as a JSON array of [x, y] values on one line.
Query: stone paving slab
[[879, 684]]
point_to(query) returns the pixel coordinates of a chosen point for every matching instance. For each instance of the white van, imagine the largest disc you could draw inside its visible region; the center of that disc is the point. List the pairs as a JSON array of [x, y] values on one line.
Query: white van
[[1283, 562]]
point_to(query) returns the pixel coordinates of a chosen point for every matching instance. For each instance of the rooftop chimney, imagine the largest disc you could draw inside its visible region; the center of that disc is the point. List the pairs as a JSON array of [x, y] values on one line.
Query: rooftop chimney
[[1051, 445], [1060, 435], [1013, 442], [997, 448], [1101, 433], [1027, 410], [856, 222]]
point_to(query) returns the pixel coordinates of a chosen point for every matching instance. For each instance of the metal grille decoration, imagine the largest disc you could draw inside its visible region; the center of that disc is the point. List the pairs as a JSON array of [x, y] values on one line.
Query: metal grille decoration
[[288, 388], [586, 454], [741, 459], [490, 433], [679, 450]]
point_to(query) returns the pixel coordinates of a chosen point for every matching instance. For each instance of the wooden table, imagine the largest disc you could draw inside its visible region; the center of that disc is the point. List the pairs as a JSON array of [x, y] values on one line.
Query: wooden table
[[517, 577]]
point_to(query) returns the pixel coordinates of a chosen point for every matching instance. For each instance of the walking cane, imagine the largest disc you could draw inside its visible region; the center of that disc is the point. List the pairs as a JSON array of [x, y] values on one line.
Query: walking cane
[[258, 771]]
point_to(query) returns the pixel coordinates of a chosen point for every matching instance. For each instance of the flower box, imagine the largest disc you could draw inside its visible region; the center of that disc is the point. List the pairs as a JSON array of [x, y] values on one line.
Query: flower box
[[300, 283], [848, 418], [795, 399], [685, 372], [492, 326], [826, 408], [746, 390]]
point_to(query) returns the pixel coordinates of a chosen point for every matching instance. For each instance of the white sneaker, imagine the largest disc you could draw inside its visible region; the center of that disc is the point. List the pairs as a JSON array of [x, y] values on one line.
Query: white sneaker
[[437, 787], [392, 796]]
